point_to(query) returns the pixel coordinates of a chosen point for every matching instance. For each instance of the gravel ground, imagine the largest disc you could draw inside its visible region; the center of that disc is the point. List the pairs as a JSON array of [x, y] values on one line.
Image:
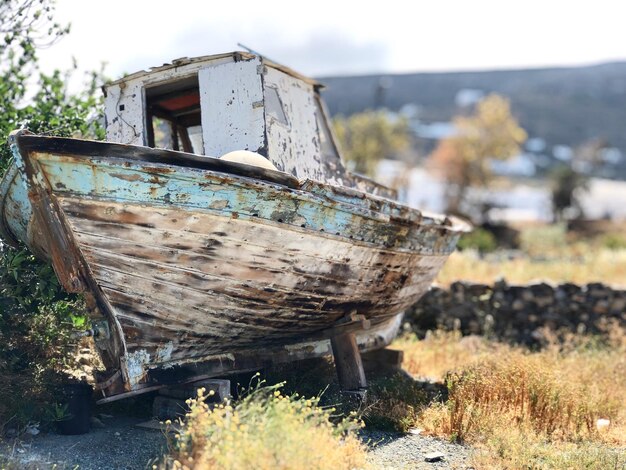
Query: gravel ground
[[120, 444], [406, 451]]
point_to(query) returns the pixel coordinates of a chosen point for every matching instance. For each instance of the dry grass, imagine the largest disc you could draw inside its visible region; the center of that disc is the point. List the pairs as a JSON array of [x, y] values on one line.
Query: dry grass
[[266, 430], [441, 352], [393, 403], [548, 252], [602, 265], [524, 409]]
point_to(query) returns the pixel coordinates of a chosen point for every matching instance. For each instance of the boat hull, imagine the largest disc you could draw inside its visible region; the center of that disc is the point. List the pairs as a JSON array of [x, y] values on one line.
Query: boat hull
[[186, 264]]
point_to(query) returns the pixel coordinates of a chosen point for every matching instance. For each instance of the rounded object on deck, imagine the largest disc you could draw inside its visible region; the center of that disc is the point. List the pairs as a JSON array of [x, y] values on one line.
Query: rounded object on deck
[[249, 158]]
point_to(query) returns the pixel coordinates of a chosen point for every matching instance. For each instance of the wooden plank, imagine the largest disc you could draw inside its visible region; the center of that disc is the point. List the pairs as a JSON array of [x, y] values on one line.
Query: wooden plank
[[207, 237], [385, 357]]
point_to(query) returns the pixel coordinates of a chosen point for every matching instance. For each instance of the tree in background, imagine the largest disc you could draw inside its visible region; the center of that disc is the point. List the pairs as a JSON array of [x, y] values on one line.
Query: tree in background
[[30, 98], [490, 132], [368, 137], [566, 187], [36, 315]]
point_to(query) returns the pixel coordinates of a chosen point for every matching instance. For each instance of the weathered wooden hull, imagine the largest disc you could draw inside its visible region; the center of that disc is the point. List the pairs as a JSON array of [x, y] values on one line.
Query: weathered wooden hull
[[184, 262]]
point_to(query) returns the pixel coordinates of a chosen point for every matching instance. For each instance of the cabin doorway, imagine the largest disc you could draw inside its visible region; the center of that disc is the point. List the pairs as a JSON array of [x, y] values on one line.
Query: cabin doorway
[[173, 116]]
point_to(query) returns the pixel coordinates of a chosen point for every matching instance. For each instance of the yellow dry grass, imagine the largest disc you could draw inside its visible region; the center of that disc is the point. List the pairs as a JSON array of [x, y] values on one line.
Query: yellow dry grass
[[265, 430], [602, 265], [523, 409]]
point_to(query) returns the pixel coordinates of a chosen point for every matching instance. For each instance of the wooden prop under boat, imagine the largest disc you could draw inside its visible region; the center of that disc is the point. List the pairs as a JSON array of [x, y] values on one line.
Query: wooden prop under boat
[[194, 266]]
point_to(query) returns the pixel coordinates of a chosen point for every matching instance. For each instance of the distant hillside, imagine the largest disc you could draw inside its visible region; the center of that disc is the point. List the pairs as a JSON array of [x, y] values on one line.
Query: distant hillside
[[565, 106]]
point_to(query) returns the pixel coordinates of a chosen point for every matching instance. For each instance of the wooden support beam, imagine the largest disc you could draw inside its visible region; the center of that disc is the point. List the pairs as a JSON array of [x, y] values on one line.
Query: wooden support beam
[[348, 362]]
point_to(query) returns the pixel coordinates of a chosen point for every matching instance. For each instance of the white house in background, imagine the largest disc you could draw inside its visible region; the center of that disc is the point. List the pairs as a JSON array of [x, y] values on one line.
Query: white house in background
[[612, 155], [433, 130], [563, 152], [604, 198], [535, 145], [519, 165], [468, 97]]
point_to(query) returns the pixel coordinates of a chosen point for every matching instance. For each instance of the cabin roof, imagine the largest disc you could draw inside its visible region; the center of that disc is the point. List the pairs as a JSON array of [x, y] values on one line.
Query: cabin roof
[[237, 55]]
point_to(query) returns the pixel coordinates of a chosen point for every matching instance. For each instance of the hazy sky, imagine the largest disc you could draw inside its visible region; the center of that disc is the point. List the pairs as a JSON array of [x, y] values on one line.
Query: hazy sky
[[333, 37]]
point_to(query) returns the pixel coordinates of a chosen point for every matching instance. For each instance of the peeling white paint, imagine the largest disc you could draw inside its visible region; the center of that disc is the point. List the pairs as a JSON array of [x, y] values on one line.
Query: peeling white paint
[[314, 348], [135, 365], [123, 108], [238, 97], [164, 353], [230, 120]]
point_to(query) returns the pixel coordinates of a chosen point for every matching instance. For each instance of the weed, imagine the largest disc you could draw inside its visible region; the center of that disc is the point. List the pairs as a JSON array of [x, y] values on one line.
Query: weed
[[393, 403], [524, 409], [442, 351], [58, 412], [265, 429]]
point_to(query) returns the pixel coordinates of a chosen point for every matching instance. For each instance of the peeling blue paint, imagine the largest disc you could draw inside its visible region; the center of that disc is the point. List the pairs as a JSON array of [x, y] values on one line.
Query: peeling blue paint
[[192, 190]]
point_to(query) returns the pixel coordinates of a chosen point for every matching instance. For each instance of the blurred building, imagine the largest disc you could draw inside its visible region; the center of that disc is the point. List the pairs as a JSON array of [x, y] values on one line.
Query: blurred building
[[528, 200]]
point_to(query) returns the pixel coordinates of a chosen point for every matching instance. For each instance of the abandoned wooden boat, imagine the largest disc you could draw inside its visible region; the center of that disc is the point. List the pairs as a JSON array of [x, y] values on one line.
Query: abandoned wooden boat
[[194, 266]]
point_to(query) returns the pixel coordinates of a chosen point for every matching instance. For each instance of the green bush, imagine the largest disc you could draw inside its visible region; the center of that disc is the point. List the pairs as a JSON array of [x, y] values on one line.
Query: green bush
[[478, 239], [36, 316], [614, 241], [36, 322]]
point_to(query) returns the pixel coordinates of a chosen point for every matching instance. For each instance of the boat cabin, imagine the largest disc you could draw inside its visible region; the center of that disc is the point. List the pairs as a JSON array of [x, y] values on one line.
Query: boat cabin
[[213, 105]]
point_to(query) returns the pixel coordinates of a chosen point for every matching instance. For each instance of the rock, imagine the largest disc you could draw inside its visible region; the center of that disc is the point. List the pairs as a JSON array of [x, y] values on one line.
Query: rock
[[601, 308], [85, 360], [32, 429], [96, 423], [434, 457], [512, 313], [474, 328], [543, 294], [478, 290], [597, 290], [527, 295], [618, 305], [543, 302]]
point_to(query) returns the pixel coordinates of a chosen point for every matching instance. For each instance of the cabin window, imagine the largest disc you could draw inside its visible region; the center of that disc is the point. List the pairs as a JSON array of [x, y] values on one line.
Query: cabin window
[[173, 116], [274, 105], [329, 151]]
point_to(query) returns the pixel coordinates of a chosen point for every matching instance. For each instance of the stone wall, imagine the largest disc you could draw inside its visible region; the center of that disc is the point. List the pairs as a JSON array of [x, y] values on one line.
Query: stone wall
[[519, 314]]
